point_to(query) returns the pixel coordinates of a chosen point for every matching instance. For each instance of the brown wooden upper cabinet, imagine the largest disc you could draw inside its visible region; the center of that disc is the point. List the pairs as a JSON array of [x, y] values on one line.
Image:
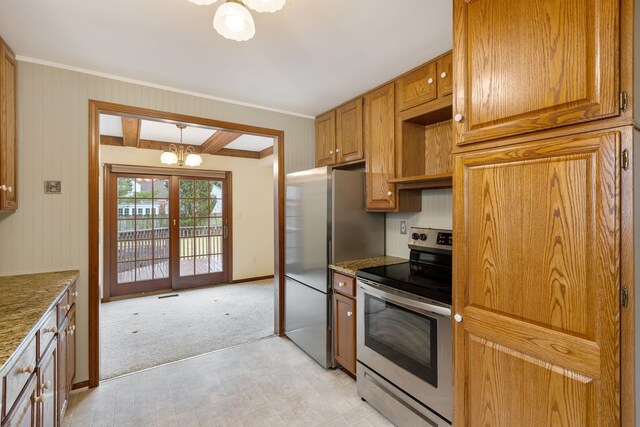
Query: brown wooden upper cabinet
[[418, 86], [326, 139], [8, 134], [444, 70], [379, 137], [515, 72], [349, 142]]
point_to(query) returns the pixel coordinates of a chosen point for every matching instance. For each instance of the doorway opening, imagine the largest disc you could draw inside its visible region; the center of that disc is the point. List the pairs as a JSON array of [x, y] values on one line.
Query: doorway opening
[[154, 232]]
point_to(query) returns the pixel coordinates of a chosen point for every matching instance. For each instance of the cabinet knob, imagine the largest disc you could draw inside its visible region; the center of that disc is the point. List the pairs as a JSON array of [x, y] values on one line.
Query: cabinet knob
[[458, 318], [443, 75], [337, 150], [46, 385], [458, 117], [65, 307], [9, 189], [51, 330], [342, 284], [349, 313], [28, 369], [330, 151], [75, 294], [39, 399], [3, 187], [430, 80], [389, 193]]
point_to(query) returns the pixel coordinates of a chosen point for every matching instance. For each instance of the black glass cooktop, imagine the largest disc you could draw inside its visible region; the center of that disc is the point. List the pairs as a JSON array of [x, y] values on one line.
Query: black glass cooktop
[[428, 281]]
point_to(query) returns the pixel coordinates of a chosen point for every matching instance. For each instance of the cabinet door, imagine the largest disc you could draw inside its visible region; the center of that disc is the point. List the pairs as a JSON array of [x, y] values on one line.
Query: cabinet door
[[349, 145], [344, 322], [379, 136], [417, 87], [326, 139], [62, 389], [8, 135], [48, 409], [71, 349], [444, 67], [24, 412], [537, 283], [526, 65]]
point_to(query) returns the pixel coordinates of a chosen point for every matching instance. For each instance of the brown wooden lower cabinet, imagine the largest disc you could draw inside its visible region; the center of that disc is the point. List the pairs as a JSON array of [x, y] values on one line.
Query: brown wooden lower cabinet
[[63, 390], [47, 386], [344, 322], [24, 412]]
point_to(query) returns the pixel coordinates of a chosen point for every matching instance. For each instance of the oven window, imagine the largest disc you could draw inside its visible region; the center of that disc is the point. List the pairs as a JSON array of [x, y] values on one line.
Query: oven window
[[404, 337]]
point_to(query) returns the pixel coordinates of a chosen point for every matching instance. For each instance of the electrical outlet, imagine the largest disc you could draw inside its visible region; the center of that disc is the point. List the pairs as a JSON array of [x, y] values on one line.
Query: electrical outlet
[[403, 227]]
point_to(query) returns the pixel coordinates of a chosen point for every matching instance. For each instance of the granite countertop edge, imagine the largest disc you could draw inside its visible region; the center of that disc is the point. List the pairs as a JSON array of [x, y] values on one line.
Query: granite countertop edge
[[350, 267], [63, 285]]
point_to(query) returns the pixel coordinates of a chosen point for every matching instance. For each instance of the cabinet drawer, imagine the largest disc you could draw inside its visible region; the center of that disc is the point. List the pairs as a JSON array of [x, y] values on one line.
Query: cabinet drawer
[[417, 87], [63, 307], [344, 284], [47, 332], [19, 373]]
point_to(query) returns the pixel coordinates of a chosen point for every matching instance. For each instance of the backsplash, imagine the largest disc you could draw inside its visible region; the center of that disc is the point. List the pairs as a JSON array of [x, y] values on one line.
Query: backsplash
[[437, 212]]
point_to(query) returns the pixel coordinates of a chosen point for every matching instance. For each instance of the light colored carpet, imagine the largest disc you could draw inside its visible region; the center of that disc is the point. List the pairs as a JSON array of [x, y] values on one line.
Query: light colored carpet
[[143, 332]]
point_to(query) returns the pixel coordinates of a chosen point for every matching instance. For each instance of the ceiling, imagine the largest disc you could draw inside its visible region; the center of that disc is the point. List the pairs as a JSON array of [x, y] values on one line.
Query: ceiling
[[305, 59], [192, 135]]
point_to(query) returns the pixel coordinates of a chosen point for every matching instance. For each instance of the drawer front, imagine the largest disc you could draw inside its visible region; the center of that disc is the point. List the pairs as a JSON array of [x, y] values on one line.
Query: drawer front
[[63, 307], [19, 373], [344, 284], [47, 332], [73, 293], [417, 87]]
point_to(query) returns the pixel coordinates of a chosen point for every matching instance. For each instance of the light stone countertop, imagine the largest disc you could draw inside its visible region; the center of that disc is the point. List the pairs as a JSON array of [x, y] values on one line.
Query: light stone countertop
[[350, 267], [24, 299]]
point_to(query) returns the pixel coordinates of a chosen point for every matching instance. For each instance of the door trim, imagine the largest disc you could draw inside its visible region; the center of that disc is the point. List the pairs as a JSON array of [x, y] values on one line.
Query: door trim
[[95, 109]]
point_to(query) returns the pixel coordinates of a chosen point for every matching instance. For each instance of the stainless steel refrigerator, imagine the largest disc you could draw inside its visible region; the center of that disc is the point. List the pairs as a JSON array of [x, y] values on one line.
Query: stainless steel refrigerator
[[326, 222]]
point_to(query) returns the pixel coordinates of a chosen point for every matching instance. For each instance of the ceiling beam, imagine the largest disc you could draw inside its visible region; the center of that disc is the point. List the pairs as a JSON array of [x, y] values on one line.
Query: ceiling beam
[[131, 131], [238, 153], [218, 141], [116, 141], [266, 152]]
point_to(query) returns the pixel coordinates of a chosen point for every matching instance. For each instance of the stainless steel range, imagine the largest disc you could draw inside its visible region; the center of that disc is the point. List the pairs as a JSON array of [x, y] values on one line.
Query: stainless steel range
[[404, 333]]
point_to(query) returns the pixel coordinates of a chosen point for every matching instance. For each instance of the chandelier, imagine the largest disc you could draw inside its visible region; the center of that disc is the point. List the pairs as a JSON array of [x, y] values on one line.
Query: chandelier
[[233, 20], [179, 155]]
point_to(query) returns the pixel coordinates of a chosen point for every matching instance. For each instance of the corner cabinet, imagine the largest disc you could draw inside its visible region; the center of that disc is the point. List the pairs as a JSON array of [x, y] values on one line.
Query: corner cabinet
[[517, 72], [537, 282], [8, 126], [379, 138]]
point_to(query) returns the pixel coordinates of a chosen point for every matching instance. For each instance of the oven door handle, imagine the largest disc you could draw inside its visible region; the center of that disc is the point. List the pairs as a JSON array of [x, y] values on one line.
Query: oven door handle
[[410, 304]]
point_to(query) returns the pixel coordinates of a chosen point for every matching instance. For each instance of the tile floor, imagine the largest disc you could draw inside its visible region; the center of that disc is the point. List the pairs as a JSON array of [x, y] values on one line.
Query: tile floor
[[270, 382]]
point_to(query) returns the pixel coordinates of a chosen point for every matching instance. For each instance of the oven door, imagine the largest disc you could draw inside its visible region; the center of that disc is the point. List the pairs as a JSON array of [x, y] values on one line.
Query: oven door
[[407, 340]]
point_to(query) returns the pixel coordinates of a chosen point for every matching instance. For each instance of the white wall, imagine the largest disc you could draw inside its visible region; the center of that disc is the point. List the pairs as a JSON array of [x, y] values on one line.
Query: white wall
[[437, 212], [49, 232], [252, 204]]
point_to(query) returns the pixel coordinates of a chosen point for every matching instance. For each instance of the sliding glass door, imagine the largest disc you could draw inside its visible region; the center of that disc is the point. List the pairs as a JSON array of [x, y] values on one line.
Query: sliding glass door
[[165, 232]]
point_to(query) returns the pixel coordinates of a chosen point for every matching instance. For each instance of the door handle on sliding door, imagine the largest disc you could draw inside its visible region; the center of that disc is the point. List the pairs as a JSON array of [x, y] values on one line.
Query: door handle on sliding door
[[226, 231]]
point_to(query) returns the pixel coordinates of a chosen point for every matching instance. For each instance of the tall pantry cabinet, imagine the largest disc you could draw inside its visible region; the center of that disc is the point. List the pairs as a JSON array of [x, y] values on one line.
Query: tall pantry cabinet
[[543, 131]]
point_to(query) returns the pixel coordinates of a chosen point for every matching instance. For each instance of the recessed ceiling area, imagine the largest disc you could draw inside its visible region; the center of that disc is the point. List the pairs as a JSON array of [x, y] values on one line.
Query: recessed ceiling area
[[307, 58], [156, 135]]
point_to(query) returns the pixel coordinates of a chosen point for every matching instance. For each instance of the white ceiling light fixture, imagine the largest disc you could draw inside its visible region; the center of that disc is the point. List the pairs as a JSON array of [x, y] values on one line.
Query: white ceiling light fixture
[[179, 155], [233, 20], [265, 5]]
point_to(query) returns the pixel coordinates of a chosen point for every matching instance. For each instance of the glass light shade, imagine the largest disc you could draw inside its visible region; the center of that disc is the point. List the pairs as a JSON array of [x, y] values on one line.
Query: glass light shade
[[265, 5], [169, 158], [193, 160], [233, 21], [203, 2]]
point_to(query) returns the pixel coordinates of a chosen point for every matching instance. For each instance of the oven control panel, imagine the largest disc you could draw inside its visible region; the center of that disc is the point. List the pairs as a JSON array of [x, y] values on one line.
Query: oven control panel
[[424, 238]]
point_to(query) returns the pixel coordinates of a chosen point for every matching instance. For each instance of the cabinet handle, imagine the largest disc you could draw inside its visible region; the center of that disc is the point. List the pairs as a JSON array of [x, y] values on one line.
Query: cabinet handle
[[458, 118], [46, 385], [51, 330], [28, 369], [443, 75], [389, 193], [342, 284], [458, 318], [430, 81], [349, 313]]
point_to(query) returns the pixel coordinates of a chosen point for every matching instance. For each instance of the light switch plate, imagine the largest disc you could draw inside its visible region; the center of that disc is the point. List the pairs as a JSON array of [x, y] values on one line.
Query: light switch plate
[[403, 227]]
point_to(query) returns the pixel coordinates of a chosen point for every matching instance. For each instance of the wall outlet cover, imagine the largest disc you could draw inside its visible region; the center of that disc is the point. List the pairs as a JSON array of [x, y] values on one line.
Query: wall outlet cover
[[53, 187], [403, 227]]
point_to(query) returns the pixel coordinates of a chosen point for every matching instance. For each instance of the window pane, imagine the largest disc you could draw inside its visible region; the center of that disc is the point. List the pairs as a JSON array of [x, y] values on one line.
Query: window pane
[[126, 272], [202, 189], [187, 266], [126, 250], [216, 226], [186, 208], [215, 263], [126, 187], [202, 265], [215, 243], [161, 248], [202, 207], [126, 208], [161, 228], [161, 188], [202, 223], [144, 228], [186, 247], [186, 188], [201, 246], [144, 270], [144, 249], [126, 229], [161, 269], [143, 188], [161, 208]]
